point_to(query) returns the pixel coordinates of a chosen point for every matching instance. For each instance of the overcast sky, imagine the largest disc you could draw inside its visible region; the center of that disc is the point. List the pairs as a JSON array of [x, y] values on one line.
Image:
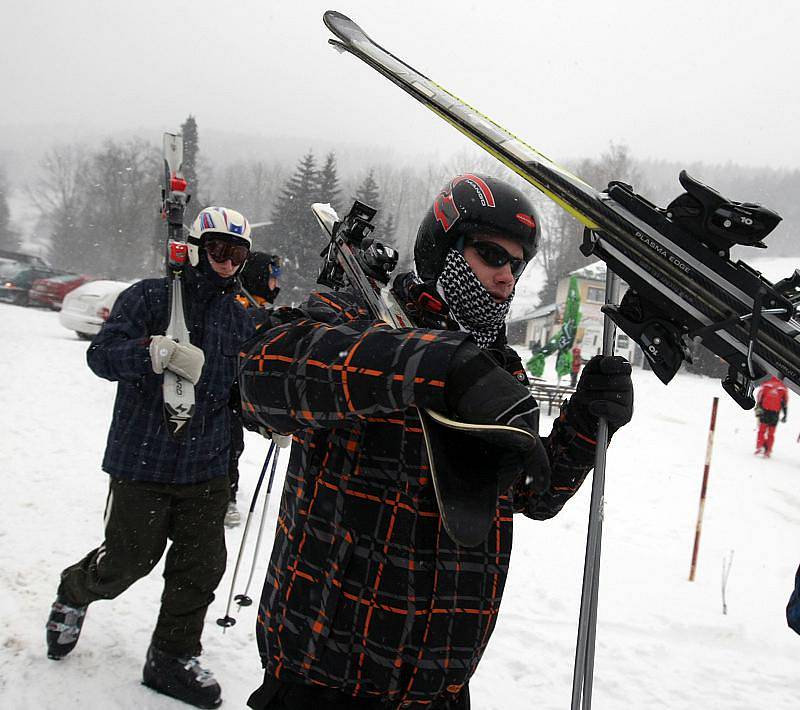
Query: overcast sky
[[680, 80]]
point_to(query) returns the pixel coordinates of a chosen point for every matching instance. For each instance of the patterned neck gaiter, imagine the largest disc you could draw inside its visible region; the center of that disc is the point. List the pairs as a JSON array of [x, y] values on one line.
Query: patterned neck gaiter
[[470, 303]]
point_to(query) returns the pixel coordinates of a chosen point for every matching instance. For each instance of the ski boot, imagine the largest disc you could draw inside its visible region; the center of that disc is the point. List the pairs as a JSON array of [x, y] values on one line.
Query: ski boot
[[63, 628], [181, 678], [232, 516]]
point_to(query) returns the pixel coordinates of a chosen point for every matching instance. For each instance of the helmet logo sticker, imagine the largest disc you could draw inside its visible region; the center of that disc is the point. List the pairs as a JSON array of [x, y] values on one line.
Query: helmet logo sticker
[[526, 219], [483, 191], [444, 206], [445, 210]]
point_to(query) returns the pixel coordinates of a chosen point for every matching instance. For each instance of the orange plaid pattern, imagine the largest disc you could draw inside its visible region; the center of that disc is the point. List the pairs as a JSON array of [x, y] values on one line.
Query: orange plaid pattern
[[365, 592]]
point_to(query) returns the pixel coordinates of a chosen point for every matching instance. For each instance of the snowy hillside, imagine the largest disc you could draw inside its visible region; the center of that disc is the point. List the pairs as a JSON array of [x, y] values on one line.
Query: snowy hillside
[[663, 642]]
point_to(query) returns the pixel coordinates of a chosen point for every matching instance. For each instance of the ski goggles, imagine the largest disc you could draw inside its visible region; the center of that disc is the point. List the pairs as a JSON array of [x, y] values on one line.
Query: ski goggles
[[221, 251], [495, 256]]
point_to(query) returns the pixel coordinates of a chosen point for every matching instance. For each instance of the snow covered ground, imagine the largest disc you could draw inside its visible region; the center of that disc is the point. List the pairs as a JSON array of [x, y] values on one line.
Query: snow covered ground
[[662, 642]]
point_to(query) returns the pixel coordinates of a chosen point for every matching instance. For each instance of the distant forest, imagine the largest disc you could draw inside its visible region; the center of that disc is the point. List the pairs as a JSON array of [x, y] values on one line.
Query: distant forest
[[97, 208]]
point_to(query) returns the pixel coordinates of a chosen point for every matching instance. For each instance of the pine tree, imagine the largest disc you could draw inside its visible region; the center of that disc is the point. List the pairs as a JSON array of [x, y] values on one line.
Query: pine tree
[[295, 234], [328, 189], [191, 147], [388, 229], [368, 192]]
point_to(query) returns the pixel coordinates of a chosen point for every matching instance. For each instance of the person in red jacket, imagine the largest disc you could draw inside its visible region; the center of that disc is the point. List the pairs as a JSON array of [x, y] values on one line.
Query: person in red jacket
[[577, 362], [773, 399]]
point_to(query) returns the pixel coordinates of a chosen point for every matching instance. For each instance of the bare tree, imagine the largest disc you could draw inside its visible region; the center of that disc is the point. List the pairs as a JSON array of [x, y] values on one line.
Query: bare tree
[[122, 194], [251, 187], [8, 237], [60, 198], [562, 233], [99, 207]]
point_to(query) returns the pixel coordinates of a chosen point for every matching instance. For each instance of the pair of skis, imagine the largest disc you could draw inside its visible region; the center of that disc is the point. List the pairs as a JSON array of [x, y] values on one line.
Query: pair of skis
[[178, 392], [683, 284]]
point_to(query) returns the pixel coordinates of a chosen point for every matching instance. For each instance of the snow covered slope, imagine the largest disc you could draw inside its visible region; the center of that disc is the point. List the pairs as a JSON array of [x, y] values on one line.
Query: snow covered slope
[[663, 642]]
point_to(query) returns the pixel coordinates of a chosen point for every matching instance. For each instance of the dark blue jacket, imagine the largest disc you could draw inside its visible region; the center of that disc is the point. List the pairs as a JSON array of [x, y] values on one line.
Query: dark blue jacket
[[139, 445]]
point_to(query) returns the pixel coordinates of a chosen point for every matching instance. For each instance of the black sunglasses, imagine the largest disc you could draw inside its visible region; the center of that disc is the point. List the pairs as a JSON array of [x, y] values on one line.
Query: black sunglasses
[[220, 251], [495, 256]]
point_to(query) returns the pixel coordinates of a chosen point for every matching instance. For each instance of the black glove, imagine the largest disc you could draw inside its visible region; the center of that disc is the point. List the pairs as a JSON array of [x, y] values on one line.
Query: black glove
[[783, 419], [478, 391], [604, 390]]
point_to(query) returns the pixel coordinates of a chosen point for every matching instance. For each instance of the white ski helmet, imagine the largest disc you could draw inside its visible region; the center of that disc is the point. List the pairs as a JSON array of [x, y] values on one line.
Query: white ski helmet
[[220, 221]]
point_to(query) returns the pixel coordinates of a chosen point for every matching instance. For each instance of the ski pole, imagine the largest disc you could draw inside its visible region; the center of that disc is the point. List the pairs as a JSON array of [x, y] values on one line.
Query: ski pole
[[704, 488], [726, 571], [228, 620], [243, 599], [583, 674]]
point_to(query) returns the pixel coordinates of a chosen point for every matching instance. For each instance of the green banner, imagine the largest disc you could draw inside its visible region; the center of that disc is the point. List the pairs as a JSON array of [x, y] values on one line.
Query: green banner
[[562, 341]]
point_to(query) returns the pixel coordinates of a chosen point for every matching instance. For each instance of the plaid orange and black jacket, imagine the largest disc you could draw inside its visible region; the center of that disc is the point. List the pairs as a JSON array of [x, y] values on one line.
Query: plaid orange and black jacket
[[365, 592]]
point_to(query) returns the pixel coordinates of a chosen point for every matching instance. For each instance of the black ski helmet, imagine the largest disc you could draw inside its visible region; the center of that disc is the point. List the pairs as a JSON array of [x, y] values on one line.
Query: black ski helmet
[[470, 203]]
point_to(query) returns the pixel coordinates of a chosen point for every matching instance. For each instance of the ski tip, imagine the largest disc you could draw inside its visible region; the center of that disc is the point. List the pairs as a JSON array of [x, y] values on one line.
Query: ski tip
[[342, 26]]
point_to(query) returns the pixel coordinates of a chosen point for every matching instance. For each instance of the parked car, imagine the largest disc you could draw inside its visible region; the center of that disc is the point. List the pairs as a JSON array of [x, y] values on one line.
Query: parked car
[[17, 278], [22, 257], [86, 308], [50, 292]]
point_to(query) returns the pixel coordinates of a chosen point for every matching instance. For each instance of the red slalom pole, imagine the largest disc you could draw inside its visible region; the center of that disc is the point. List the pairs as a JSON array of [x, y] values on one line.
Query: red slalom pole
[[709, 449]]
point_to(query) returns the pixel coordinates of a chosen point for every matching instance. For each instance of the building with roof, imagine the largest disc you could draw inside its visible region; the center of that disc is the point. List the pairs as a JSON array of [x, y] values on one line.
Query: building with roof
[[535, 327]]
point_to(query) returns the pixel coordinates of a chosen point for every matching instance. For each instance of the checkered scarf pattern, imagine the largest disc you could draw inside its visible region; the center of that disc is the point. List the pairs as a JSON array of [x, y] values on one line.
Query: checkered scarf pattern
[[470, 303]]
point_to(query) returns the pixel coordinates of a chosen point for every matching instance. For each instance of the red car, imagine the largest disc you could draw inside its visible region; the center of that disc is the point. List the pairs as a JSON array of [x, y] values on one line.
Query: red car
[[50, 292]]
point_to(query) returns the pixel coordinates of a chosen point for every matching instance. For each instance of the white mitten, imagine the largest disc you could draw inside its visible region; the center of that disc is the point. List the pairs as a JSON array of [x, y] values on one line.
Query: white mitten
[[183, 359], [283, 441]]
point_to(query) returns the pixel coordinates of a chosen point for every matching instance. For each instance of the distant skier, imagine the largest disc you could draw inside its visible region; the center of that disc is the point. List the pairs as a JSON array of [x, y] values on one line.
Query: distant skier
[[164, 489], [368, 603], [260, 278], [577, 363], [258, 282], [772, 400]]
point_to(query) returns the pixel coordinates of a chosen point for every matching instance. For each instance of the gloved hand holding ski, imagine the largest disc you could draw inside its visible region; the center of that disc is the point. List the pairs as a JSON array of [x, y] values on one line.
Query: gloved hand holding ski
[[183, 359], [478, 391]]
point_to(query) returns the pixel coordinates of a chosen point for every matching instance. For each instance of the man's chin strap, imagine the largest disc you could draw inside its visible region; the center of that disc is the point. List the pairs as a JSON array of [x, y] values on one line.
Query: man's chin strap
[[470, 303]]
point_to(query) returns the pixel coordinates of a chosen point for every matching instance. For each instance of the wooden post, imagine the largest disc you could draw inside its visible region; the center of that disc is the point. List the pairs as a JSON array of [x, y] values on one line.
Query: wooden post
[[709, 449]]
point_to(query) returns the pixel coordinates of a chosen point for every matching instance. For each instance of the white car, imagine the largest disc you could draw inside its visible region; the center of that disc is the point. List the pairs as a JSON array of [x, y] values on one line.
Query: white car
[[85, 309]]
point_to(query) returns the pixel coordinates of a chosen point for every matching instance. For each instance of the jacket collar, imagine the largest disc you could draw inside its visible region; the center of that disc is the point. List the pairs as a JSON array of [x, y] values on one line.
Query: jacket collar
[[202, 288]]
